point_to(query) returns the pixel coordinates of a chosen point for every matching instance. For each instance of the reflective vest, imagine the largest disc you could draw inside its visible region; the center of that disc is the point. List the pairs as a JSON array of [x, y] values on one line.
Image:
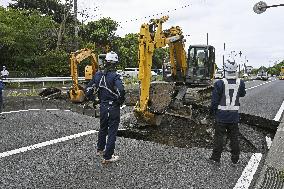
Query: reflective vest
[[230, 96], [102, 84]]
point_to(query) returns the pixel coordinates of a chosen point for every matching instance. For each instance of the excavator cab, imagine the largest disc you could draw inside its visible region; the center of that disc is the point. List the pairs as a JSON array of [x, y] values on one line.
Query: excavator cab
[[201, 61]]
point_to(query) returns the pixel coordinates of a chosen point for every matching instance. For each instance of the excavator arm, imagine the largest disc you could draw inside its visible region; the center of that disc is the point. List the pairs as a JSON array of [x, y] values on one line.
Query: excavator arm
[[76, 92], [152, 37]]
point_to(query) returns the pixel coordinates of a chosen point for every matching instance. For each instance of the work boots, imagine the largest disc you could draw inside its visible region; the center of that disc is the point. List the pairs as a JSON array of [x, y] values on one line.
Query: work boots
[[235, 159], [111, 160]]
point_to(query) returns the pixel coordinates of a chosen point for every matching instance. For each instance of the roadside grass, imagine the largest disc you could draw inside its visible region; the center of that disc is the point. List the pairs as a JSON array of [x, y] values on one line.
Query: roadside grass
[[37, 85], [30, 92]]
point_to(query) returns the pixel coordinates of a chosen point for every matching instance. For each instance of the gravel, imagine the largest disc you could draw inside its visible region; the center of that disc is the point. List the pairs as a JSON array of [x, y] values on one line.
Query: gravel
[[73, 164]]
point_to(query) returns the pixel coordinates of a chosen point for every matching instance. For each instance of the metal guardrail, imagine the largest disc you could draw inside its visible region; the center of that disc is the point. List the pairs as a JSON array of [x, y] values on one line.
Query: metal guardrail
[[40, 79]]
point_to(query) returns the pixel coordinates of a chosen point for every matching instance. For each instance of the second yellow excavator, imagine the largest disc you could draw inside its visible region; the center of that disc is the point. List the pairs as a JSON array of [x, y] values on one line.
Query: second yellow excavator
[[76, 93], [191, 77]]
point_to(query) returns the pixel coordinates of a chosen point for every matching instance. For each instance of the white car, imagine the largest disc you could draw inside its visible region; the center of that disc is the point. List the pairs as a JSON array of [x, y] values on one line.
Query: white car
[[219, 75]]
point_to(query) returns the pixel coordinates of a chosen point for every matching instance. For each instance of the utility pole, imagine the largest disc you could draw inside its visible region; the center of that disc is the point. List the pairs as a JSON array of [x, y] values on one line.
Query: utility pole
[[75, 24], [240, 53], [224, 59], [207, 38]]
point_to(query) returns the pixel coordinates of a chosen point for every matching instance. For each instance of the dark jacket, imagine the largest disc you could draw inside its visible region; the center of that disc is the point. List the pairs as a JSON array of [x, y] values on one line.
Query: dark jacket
[[109, 86], [1, 87], [218, 98]]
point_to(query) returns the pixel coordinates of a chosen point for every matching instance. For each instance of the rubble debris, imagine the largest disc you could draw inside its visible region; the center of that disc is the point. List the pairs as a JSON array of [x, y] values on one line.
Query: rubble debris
[[51, 93], [160, 96]]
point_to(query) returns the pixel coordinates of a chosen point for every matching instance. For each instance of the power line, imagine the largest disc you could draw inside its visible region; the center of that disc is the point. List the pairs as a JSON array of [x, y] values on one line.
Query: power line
[[153, 15]]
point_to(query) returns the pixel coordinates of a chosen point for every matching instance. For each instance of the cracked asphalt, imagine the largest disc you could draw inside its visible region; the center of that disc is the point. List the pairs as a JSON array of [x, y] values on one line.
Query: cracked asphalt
[[143, 164]]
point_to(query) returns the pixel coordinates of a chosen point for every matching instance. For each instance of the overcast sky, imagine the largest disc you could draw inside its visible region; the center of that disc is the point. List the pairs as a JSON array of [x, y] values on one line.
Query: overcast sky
[[259, 37]]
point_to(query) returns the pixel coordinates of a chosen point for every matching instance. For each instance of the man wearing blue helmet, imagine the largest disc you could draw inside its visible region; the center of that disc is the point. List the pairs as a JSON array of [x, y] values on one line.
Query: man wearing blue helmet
[[111, 96], [225, 106]]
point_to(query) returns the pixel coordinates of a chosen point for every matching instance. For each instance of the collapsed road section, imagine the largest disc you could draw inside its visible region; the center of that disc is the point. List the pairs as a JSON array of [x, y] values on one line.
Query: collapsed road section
[[173, 131]]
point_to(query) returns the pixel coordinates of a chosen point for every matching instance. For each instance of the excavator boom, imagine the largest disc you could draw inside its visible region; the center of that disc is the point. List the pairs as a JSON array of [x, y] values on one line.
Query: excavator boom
[[76, 92], [152, 37], [190, 79]]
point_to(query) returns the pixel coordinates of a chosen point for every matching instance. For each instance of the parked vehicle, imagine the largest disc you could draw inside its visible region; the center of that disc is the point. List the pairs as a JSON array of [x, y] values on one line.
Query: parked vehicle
[[133, 72], [281, 76], [219, 74], [262, 75]]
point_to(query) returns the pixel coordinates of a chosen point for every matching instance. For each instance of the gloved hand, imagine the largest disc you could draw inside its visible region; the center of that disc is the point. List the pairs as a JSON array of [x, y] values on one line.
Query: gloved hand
[[89, 91]]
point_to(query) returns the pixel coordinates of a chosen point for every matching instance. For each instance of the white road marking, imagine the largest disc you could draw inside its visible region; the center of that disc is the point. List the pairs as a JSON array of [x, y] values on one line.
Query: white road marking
[[247, 175], [34, 109], [47, 143], [260, 84], [279, 113], [17, 111], [52, 109], [268, 141]]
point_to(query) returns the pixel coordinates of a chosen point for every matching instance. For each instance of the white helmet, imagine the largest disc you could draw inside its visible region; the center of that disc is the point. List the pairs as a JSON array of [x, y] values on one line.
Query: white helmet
[[111, 57], [230, 65]]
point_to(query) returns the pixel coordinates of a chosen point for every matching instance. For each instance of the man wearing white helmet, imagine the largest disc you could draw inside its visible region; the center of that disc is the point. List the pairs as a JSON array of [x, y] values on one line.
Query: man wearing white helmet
[[224, 106], [111, 96], [4, 73]]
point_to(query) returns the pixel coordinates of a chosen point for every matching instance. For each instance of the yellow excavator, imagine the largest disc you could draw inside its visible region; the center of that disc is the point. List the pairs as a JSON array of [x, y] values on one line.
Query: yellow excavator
[[76, 93], [190, 80]]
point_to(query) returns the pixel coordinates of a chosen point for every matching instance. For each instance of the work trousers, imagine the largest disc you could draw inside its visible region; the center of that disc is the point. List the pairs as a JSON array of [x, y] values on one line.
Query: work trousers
[[109, 122], [232, 130]]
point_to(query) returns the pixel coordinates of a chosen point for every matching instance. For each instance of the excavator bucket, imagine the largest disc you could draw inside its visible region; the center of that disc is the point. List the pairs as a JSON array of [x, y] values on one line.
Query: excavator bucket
[[77, 96], [147, 118], [159, 100]]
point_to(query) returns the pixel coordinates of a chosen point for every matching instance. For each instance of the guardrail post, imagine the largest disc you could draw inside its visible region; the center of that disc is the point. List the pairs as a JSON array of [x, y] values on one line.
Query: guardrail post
[[43, 83]]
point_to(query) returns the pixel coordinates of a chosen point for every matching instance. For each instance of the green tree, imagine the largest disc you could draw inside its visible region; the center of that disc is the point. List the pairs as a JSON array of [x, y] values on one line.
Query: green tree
[[101, 33], [53, 63], [275, 70], [53, 8], [159, 56], [127, 49], [60, 13], [23, 36]]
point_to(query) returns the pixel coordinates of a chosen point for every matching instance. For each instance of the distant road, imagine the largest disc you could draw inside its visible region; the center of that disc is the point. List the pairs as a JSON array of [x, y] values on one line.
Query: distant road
[[263, 98]]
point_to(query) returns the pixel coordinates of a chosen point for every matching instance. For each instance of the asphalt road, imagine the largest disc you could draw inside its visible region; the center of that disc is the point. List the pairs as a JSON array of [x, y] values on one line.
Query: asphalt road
[[264, 99], [74, 164]]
